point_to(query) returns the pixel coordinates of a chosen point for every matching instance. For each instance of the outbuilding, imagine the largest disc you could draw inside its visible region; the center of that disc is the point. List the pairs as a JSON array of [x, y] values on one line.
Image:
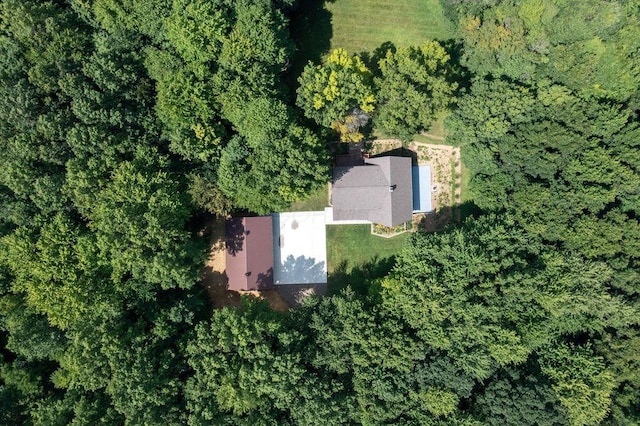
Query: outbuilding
[[249, 253]]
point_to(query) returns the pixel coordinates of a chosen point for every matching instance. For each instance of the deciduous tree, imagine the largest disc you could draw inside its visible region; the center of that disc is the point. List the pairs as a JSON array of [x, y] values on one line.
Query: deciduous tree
[[330, 92], [413, 88]]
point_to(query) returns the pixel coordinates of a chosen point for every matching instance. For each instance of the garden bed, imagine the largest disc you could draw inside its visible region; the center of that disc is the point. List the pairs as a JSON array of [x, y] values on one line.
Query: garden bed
[[390, 232]]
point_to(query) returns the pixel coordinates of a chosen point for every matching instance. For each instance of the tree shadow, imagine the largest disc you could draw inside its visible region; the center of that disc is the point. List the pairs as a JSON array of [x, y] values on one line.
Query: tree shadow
[[216, 285], [439, 220], [311, 30], [265, 281], [371, 60], [469, 209], [294, 294], [400, 152], [434, 221], [234, 233], [301, 270], [359, 277], [458, 73]]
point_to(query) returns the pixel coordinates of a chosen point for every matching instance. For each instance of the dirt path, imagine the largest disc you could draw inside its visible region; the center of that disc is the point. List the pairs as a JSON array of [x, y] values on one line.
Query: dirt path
[[214, 279]]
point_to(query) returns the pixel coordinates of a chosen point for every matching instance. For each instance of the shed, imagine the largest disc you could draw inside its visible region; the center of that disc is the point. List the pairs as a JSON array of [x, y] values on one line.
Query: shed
[[249, 253]]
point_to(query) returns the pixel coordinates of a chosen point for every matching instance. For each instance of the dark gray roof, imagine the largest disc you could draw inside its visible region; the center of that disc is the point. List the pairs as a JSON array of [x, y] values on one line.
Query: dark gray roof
[[379, 191]]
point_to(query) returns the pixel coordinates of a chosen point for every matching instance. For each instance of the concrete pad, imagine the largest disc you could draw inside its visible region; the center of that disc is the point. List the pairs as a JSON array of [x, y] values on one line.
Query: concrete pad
[[328, 217], [299, 248]]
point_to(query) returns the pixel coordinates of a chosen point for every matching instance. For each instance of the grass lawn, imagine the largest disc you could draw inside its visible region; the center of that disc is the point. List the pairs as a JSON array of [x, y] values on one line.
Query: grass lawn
[[318, 26], [316, 201], [354, 256], [364, 25], [438, 128]]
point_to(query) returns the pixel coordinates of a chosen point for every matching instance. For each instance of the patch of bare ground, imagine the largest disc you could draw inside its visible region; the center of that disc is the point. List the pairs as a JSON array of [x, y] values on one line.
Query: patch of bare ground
[[446, 174], [214, 279]]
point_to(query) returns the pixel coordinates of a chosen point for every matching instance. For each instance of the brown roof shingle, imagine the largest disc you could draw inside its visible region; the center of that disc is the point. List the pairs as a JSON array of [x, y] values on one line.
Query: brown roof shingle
[[249, 253]]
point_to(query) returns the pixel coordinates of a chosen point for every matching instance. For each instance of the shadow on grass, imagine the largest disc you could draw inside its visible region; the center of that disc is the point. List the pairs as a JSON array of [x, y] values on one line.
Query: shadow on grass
[[372, 60], [359, 277], [311, 30]]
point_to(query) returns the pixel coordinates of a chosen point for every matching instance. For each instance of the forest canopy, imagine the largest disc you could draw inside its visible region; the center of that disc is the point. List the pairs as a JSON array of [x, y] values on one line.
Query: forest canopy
[[124, 122]]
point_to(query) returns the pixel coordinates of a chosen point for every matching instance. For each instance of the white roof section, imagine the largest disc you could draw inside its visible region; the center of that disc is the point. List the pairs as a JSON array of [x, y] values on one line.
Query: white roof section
[[329, 219], [299, 248]]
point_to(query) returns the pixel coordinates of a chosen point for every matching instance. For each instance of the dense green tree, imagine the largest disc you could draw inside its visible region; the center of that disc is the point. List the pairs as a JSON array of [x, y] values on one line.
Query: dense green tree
[[138, 220], [514, 396], [580, 382], [20, 385], [197, 29], [206, 194], [136, 358], [413, 88], [78, 142], [57, 273], [565, 167], [43, 48], [587, 45], [621, 349], [75, 408], [268, 176], [148, 17], [244, 367], [29, 335], [195, 32], [145, 383], [389, 376], [491, 298], [12, 410], [257, 48], [336, 90], [186, 105]]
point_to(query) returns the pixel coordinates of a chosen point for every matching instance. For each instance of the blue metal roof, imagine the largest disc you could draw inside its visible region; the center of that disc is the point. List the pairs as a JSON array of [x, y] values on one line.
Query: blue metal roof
[[421, 176]]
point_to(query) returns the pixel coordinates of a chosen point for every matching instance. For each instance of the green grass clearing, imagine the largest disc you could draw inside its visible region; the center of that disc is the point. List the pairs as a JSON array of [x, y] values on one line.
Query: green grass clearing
[[364, 25], [316, 201], [429, 139], [318, 26], [355, 257], [438, 128]]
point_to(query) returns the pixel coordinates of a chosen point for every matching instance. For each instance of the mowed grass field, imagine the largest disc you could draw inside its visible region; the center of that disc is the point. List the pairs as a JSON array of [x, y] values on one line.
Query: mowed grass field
[[364, 25]]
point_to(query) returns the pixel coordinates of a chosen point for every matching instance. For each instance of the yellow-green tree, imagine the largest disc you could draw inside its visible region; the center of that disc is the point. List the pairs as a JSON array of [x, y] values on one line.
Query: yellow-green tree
[[338, 94]]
